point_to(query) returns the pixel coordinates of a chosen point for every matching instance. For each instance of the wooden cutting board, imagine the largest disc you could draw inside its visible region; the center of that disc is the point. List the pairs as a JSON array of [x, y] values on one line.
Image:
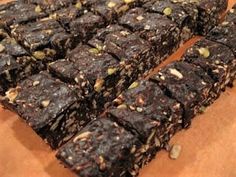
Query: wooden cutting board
[[208, 147]]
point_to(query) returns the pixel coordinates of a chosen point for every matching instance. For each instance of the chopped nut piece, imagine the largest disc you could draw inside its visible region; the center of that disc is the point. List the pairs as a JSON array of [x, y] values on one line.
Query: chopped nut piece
[[123, 8], [111, 71], [204, 52], [78, 5], [232, 10], [202, 109], [157, 142], [76, 80], [78, 168], [101, 159], [35, 83], [176, 73], [48, 31], [128, 1], [45, 103], [162, 78], [82, 136], [139, 109], [151, 137], [175, 151], [111, 4], [133, 85], [140, 17], [38, 9], [133, 150], [99, 47], [53, 16], [167, 11], [124, 33], [94, 51], [8, 62], [98, 85], [11, 94], [102, 164], [39, 55]]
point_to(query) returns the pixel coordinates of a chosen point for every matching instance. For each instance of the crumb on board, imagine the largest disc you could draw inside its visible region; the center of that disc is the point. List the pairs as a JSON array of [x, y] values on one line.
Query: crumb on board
[[175, 151]]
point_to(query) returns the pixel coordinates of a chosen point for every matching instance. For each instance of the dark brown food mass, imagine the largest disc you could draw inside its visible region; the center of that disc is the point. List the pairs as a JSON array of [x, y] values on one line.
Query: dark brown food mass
[[161, 32], [15, 63], [93, 71], [225, 33], [14, 13], [188, 84], [49, 106], [45, 39], [101, 149], [216, 59]]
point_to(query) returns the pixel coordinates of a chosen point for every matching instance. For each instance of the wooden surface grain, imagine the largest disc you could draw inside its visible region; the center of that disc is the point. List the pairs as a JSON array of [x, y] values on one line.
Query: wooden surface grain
[[208, 147]]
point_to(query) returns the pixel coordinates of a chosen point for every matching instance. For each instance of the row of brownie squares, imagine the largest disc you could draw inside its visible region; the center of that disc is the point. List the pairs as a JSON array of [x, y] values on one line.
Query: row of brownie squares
[[203, 12], [100, 71], [82, 20], [144, 118], [48, 34]]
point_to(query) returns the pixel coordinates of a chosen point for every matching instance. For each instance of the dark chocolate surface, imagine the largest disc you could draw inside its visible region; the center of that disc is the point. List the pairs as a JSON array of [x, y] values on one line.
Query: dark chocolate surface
[[216, 59], [224, 33], [40, 99], [101, 149], [186, 83], [15, 13], [155, 28]]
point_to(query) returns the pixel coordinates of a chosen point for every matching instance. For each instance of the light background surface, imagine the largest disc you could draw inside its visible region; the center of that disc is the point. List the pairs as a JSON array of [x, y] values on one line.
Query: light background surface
[[209, 146]]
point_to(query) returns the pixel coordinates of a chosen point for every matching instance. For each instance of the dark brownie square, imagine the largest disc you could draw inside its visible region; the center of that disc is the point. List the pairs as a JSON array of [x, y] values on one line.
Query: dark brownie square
[[155, 28], [135, 53], [14, 13], [225, 33], [145, 110], [86, 25], [146, 98], [15, 63], [78, 21], [50, 107], [8, 69], [188, 84], [45, 39], [143, 127], [209, 13], [186, 19], [102, 148], [215, 59], [95, 72], [66, 15], [205, 12]]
